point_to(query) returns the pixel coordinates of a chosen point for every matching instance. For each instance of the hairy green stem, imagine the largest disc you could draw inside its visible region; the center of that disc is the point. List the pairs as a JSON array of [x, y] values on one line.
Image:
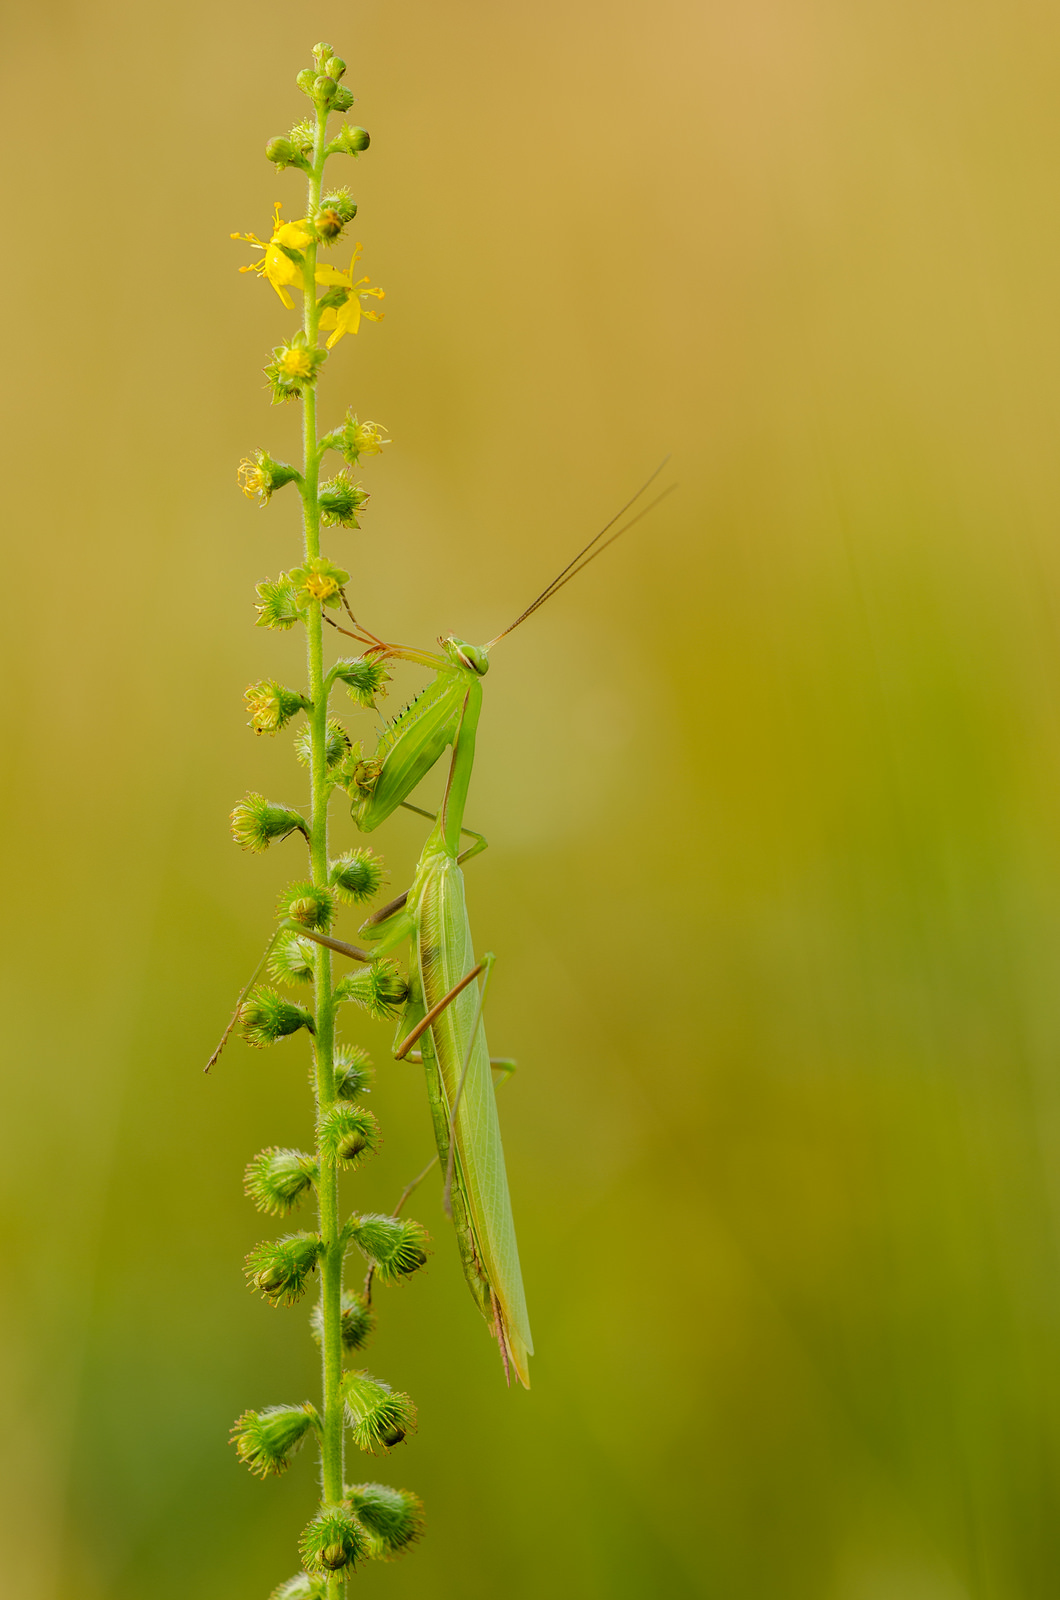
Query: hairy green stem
[[331, 1449]]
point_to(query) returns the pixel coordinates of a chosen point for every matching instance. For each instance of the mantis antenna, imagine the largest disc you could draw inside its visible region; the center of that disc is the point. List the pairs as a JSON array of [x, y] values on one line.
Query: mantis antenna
[[579, 562]]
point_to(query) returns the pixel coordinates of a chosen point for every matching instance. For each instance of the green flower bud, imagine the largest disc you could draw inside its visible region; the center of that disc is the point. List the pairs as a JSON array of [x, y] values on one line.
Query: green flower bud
[[349, 141], [277, 605], [356, 875], [278, 1180], [379, 1417], [364, 678], [395, 1246], [309, 904], [322, 53], [348, 1133], [280, 1268], [260, 476], [256, 822], [333, 1541], [324, 89], [358, 774], [328, 224], [377, 988], [318, 580], [301, 1587], [306, 80], [353, 1071], [271, 706], [339, 501], [335, 67], [336, 744], [266, 1440], [282, 153], [266, 1017], [392, 1518], [357, 1322], [293, 960], [342, 99], [294, 368]]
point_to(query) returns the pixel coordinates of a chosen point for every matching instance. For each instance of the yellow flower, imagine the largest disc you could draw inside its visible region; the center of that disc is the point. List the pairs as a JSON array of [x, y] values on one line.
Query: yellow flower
[[321, 585], [347, 317], [295, 363], [276, 264]]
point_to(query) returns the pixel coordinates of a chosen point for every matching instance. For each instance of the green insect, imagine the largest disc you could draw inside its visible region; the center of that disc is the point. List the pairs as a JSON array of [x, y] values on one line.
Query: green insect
[[443, 1012]]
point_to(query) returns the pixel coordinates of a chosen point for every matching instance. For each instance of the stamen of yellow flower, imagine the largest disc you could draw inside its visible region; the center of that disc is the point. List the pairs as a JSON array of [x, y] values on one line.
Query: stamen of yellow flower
[[320, 585], [251, 478], [295, 363]]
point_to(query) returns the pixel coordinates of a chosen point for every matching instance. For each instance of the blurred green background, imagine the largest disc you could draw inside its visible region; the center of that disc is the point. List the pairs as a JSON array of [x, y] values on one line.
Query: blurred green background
[[772, 793]]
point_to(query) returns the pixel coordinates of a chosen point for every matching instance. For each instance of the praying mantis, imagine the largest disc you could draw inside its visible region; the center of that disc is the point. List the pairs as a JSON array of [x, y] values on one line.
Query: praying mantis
[[443, 1011]]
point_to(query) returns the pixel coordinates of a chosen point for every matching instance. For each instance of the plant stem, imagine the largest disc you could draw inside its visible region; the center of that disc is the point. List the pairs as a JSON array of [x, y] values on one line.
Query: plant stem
[[331, 1449]]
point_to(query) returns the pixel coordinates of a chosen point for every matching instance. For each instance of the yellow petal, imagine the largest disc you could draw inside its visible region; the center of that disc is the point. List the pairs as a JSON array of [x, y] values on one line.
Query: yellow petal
[[333, 275]]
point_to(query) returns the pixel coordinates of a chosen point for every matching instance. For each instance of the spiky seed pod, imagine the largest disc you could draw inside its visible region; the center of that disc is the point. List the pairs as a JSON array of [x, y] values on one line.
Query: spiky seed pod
[[260, 476], [379, 1416], [292, 959], [301, 1587], [294, 368], [319, 579], [277, 604], [333, 1541], [349, 141], [365, 679], [356, 875], [355, 439], [357, 1322], [280, 1268], [348, 1133], [378, 989], [342, 99], [266, 1440], [338, 204], [340, 499], [336, 744], [257, 822], [278, 1180], [266, 1017], [353, 1071], [392, 1518], [309, 904], [302, 136], [271, 706], [396, 1246]]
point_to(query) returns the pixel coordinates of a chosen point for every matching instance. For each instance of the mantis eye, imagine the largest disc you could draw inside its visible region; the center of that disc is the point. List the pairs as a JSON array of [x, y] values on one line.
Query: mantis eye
[[475, 658]]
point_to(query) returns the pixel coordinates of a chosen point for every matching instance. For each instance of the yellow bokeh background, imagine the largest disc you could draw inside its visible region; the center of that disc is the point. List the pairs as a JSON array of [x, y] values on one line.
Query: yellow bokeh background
[[772, 792]]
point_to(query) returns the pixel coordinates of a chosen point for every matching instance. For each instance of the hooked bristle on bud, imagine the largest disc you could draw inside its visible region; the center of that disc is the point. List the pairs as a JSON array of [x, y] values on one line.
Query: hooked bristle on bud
[[256, 823], [357, 1322], [266, 1440], [363, 677], [348, 1134], [378, 989], [353, 1071], [303, 136], [292, 959], [392, 1518], [378, 1415], [267, 1017], [336, 744], [395, 1246], [271, 706], [259, 476], [277, 603], [294, 368], [340, 499], [278, 1180], [319, 579], [356, 875], [333, 1541], [309, 904], [301, 1587], [280, 1268]]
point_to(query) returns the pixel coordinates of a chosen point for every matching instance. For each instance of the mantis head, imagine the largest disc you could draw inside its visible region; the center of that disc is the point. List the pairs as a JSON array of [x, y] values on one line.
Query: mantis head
[[462, 654]]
